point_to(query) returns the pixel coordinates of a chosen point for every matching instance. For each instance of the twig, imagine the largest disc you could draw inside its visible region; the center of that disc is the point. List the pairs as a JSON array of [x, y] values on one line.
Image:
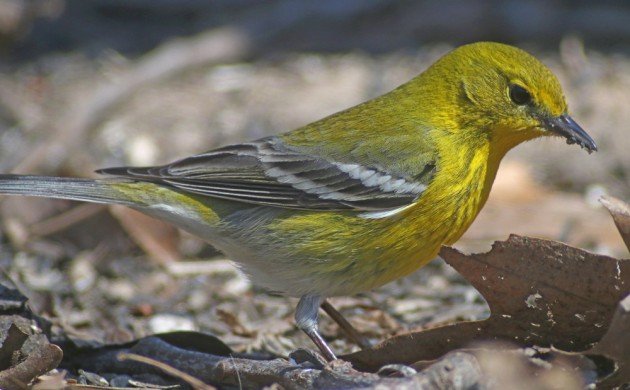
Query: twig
[[456, 370], [66, 219], [191, 380], [346, 326]]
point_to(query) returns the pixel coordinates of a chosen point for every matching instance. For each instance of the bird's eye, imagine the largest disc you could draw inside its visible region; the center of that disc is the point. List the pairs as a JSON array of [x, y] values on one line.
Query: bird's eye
[[519, 95]]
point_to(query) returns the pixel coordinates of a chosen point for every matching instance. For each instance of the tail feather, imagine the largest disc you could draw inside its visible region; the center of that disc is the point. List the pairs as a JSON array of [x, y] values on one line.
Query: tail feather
[[86, 190]]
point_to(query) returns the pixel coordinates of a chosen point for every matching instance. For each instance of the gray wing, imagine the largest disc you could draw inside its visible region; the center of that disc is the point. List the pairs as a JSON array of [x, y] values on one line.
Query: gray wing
[[266, 172]]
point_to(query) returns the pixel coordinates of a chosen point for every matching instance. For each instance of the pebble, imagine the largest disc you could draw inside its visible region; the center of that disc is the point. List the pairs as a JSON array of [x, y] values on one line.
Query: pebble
[[162, 323]]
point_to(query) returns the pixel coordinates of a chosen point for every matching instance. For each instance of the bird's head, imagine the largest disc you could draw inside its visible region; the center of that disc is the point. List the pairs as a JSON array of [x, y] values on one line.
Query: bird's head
[[508, 93]]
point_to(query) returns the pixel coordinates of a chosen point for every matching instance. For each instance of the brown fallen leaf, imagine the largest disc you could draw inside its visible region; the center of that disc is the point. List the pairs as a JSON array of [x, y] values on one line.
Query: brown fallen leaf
[[606, 365], [21, 363], [506, 367], [615, 345], [620, 212], [540, 292]]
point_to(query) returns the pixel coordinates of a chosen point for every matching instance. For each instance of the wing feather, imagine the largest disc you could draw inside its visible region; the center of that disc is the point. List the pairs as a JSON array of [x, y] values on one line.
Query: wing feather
[[267, 172]]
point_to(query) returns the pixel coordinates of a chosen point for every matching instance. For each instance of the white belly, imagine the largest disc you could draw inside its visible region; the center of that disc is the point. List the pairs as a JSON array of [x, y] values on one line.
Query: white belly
[[266, 267]]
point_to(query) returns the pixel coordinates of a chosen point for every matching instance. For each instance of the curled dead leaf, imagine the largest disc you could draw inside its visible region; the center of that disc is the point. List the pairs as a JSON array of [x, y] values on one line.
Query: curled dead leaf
[[620, 212], [615, 345], [540, 292]]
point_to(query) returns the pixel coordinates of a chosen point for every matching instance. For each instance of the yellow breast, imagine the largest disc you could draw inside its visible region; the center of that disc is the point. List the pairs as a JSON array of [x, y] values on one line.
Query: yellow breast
[[354, 254]]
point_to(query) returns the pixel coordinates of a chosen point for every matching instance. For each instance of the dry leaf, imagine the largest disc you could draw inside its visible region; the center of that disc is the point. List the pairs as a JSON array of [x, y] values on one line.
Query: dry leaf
[[505, 367], [25, 356], [620, 212], [615, 345], [540, 292]]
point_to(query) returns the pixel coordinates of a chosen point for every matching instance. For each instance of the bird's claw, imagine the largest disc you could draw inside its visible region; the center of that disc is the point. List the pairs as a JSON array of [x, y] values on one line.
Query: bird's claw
[[303, 355]]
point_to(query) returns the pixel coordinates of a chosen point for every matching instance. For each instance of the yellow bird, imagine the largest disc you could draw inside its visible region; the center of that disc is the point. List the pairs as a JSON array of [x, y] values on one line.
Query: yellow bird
[[359, 198]]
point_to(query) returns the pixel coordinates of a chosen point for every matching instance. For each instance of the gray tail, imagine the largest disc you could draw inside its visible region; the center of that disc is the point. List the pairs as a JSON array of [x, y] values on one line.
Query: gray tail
[[86, 190]]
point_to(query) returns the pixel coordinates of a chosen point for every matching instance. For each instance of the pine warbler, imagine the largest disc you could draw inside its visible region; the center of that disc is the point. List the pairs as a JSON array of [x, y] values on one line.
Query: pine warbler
[[357, 199]]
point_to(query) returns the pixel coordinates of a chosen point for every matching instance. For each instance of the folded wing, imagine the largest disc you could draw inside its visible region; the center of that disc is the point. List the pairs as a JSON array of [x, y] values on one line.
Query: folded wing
[[267, 172]]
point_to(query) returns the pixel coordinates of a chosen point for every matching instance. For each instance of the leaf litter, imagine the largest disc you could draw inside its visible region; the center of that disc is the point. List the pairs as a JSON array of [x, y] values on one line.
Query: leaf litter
[[440, 297]]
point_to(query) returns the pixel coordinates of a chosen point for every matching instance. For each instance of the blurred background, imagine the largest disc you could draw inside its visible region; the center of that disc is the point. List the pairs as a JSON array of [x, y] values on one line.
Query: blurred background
[[94, 83]]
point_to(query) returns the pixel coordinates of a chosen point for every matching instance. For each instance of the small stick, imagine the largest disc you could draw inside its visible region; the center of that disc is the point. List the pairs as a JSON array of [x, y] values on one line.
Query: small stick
[[346, 326], [191, 380]]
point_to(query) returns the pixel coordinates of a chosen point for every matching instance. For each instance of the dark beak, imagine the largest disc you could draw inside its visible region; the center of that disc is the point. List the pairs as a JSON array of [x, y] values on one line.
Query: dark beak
[[569, 129]]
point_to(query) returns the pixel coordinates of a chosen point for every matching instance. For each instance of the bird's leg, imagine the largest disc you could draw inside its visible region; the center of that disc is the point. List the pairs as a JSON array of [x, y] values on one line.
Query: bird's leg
[[306, 315], [346, 326]]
